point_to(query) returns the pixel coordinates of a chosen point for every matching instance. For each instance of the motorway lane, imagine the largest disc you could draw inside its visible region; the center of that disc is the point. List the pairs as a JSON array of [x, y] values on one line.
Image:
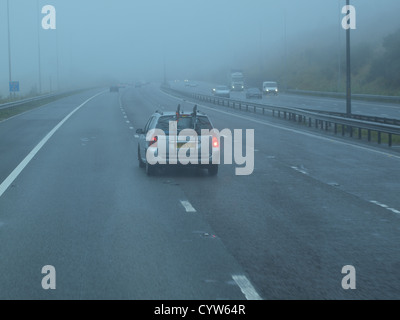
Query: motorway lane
[[83, 206], [97, 217], [19, 135], [304, 213], [379, 109]]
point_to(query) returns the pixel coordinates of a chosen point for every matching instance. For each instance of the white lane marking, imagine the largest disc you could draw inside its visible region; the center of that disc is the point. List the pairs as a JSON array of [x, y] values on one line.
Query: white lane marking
[[300, 170], [13, 175], [246, 287], [188, 207], [136, 136], [120, 101], [128, 122], [385, 206], [264, 122]]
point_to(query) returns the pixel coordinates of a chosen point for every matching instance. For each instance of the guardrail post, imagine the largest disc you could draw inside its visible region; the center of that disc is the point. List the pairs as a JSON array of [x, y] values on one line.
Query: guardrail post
[[335, 128], [369, 135], [343, 129], [379, 137], [390, 139]]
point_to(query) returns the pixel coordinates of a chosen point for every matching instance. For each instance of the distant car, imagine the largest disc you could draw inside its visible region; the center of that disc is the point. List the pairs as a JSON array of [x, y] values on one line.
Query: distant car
[[197, 121], [270, 87], [253, 93], [222, 91], [114, 89]]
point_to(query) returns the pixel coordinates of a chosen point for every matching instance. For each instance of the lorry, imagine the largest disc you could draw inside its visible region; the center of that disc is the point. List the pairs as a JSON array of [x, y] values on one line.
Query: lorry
[[236, 80]]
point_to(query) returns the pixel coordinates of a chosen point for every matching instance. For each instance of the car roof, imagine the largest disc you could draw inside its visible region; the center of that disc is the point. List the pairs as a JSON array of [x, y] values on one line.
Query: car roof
[[173, 113]]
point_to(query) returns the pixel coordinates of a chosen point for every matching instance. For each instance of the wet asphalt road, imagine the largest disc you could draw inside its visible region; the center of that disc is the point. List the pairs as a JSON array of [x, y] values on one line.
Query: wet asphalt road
[[313, 204]]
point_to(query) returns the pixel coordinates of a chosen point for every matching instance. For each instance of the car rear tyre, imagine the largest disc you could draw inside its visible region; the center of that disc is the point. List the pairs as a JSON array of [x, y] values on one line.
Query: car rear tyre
[[141, 163], [150, 169]]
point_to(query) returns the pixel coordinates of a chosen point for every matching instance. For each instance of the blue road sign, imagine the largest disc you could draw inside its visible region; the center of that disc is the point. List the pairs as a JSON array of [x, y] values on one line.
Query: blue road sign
[[14, 86]]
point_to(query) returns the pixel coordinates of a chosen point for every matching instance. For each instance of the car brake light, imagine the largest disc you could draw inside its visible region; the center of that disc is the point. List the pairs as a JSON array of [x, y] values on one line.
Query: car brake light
[[154, 140], [215, 142]]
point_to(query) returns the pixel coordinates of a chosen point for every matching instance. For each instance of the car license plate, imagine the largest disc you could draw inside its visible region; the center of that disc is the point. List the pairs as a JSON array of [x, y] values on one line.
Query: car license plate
[[186, 145]]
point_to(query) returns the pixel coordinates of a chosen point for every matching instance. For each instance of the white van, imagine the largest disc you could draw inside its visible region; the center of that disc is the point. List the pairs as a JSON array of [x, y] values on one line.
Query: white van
[[270, 87]]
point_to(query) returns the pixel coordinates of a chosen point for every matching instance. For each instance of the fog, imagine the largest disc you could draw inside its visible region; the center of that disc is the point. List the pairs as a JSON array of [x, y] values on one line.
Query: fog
[[97, 42]]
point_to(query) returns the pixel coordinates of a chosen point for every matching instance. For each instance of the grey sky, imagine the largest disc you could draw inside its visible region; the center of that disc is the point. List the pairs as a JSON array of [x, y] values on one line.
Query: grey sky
[[128, 39]]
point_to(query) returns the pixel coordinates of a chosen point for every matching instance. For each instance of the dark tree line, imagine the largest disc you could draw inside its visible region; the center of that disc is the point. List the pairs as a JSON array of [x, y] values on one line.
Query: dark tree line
[[387, 65]]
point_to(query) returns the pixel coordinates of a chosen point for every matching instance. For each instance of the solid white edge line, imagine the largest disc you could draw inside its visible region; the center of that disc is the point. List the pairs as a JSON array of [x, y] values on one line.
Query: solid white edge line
[[264, 122], [16, 172], [246, 287], [188, 207]]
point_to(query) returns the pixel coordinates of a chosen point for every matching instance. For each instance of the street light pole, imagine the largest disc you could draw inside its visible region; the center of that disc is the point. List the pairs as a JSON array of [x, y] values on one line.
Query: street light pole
[[9, 47], [39, 53], [285, 53], [165, 70], [348, 71], [339, 50]]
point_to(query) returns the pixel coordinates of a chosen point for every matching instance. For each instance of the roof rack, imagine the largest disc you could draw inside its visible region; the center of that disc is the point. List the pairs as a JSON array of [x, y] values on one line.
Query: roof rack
[[178, 110], [195, 116]]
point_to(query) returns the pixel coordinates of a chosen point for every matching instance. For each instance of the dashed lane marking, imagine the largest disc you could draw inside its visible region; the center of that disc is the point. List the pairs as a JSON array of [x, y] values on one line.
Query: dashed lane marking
[[246, 287], [385, 206], [188, 207], [300, 170]]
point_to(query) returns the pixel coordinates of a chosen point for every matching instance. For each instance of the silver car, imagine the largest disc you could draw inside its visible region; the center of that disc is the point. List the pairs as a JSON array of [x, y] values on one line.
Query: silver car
[[222, 91]]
